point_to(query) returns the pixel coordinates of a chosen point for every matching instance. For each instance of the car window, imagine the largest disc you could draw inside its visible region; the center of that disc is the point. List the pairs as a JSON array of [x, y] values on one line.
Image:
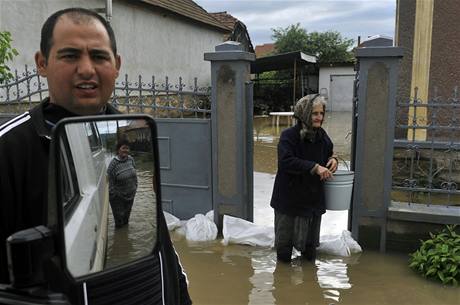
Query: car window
[[69, 185], [94, 139]]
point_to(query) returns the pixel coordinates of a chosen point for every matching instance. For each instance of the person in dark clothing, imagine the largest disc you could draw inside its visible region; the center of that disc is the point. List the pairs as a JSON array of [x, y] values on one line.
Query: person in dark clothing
[[305, 160], [78, 56], [122, 184]]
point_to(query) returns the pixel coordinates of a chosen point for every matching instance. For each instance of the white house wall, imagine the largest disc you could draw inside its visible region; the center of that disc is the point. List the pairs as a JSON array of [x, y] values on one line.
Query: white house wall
[[325, 74], [149, 42]]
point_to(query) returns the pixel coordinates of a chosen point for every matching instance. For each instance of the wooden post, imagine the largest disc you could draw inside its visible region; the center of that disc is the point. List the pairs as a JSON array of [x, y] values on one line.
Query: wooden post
[[295, 72]]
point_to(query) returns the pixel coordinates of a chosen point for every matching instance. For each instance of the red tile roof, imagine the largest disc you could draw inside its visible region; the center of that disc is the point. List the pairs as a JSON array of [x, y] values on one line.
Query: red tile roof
[[226, 19], [265, 49]]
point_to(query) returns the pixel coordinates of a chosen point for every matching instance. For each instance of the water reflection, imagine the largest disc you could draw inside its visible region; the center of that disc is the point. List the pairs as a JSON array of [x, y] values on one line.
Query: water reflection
[[332, 276], [263, 263], [137, 238]]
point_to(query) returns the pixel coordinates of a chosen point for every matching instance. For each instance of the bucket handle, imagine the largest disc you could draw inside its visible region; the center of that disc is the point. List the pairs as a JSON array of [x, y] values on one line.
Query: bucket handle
[[343, 160]]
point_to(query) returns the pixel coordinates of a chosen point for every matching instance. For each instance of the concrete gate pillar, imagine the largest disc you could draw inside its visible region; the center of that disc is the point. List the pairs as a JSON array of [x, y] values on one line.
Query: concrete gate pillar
[[378, 74], [232, 139]]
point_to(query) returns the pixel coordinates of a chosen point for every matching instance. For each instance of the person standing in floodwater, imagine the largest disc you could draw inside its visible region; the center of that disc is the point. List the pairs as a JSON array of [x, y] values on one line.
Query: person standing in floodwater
[[122, 184], [305, 161]]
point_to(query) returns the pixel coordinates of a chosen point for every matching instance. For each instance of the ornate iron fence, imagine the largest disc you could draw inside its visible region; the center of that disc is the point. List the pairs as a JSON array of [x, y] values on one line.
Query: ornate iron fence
[[426, 164], [159, 99]]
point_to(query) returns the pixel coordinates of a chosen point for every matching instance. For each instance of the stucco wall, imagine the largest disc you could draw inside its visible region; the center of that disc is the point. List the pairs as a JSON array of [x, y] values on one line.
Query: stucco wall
[[326, 72], [150, 41], [325, 82]]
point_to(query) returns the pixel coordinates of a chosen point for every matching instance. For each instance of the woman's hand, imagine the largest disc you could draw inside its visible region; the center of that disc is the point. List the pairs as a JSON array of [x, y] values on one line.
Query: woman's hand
[[332, 164], [323, 172]]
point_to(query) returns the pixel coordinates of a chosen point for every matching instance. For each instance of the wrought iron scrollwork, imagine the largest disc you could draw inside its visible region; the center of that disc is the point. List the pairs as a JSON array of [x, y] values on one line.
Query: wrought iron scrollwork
[[449, 185], [410, 183]]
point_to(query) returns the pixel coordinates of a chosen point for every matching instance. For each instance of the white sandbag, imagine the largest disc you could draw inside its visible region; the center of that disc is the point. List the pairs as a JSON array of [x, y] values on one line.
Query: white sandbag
[[200, 228], [240, 231], [171, 221], [210, 215], [340, 245], [333, 245], [352, 244]]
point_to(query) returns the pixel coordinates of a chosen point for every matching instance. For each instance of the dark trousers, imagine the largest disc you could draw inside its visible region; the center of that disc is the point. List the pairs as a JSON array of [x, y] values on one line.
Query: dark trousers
[[121, 209], [296, 231]]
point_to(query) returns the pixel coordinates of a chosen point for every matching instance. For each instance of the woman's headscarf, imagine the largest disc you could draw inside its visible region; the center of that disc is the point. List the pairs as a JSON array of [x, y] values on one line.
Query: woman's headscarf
[[302, 112]]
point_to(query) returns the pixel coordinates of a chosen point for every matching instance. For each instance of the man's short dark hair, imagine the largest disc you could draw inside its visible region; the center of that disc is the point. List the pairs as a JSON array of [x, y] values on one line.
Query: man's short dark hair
[[75, 13]]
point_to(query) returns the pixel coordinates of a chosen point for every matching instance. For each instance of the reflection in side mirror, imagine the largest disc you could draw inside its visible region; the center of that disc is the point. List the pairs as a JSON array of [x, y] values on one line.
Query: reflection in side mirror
[[107, 190]]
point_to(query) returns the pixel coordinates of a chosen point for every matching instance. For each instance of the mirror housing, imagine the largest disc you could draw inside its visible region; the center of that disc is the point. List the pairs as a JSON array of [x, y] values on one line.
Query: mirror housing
[[80, 287], [37, 256], [27, 251]]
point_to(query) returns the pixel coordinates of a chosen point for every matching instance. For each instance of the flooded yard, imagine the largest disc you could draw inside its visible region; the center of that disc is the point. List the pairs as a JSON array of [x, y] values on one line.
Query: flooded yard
[[240, 275]]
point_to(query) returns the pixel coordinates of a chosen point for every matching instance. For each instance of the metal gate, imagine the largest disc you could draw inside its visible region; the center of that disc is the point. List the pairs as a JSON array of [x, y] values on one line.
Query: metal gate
[[185, 164]]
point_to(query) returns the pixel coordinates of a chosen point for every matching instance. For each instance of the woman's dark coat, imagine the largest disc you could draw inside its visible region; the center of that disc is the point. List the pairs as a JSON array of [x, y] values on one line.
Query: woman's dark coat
[[298, 192]]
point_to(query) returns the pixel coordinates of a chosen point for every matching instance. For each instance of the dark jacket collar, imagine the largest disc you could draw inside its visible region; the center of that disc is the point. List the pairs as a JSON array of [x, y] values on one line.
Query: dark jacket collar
[[45, 115]]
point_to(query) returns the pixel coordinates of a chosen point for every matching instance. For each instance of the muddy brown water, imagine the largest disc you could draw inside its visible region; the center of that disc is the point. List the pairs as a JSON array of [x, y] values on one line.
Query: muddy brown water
[[240, 275]]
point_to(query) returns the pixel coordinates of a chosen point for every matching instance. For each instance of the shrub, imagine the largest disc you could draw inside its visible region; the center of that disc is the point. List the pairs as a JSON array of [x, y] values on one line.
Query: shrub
[[7, 53], [439, 257]]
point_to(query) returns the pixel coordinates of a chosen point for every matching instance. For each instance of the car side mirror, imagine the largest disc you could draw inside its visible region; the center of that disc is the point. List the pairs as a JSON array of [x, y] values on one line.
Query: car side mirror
[[104, 199]]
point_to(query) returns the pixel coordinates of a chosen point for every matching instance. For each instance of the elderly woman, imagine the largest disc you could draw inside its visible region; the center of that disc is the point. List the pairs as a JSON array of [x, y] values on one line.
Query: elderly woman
[[122, 184], [305, 161]]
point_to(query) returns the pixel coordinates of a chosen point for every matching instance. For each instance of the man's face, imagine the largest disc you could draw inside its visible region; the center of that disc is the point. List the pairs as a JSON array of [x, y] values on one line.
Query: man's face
[[81, 68]]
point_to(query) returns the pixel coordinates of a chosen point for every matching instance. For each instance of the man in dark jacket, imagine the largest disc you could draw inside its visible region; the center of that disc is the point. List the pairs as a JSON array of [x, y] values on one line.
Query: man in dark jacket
[[305, 160], [78, 56]]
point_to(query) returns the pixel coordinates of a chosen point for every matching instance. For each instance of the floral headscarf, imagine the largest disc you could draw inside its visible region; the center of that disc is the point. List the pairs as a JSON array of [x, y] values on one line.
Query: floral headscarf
[[302, 112]]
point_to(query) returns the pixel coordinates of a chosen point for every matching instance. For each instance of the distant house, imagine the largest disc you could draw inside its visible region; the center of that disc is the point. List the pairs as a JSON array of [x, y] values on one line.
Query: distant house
[[155, 37], [265, 49], [376, 41], [336, 84], [239, 31]]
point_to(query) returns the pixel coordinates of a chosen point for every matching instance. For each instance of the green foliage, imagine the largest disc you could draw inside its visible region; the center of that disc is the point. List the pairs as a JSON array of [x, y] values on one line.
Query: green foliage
[[7, 53], [327, 46], [272, 95], [439, 257], [269, 75], [290, 39]]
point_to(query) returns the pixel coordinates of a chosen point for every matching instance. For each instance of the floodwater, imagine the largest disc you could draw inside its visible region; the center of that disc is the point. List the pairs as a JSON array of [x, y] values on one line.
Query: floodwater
[[240, 275]]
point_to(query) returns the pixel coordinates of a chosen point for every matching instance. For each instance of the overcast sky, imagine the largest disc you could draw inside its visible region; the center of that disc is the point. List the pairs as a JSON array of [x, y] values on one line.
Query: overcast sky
[[352, 18]]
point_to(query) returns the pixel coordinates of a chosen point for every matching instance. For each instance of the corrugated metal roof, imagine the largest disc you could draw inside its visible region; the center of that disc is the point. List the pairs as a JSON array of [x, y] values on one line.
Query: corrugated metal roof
[[189, 9], [282, 61]]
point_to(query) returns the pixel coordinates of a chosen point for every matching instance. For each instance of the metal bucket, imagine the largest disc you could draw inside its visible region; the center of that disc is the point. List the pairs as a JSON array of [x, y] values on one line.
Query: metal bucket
[[338, 190]]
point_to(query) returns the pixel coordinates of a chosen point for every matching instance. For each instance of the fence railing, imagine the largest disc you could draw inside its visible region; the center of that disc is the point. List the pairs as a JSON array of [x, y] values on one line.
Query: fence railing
[[426, 164], [157, 98]]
